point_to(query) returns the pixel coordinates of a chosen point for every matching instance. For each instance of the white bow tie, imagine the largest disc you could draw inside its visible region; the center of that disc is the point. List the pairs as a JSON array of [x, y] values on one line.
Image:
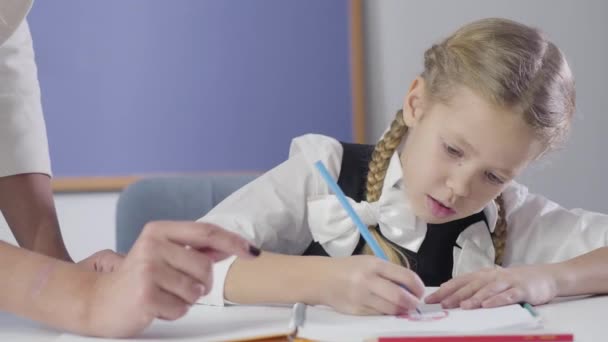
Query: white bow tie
[[331, 226]]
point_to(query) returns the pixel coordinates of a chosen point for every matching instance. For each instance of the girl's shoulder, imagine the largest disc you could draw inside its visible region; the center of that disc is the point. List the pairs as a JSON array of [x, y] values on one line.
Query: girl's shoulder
[[314, 143], [518, 201], [315, 147], [514, 195]]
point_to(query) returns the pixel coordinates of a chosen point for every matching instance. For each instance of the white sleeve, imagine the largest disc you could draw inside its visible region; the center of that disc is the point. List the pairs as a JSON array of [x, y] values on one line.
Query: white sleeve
[[541, 231], [23, 141], [271, 210]]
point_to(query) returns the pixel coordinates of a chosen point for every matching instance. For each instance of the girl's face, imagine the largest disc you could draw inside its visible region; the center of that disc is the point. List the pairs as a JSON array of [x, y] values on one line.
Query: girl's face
[[458, 156]]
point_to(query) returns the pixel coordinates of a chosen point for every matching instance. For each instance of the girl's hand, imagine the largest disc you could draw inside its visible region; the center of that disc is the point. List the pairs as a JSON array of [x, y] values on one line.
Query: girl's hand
[[166, 271], [498, 286], [102, 261], [367, 285]]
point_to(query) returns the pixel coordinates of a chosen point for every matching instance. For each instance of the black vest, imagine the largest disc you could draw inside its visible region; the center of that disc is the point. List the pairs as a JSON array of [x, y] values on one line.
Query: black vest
[[434, 260]]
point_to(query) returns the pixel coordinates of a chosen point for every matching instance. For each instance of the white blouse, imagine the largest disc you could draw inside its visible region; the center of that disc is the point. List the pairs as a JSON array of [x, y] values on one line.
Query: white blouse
[[23, 141], [287, 208]]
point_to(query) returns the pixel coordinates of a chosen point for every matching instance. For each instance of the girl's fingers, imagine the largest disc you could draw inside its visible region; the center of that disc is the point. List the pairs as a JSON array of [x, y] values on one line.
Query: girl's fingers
[[448, 288], [380, 306], [463, 293], [400, 299], [402, 276], [484, 293], [510, 296]]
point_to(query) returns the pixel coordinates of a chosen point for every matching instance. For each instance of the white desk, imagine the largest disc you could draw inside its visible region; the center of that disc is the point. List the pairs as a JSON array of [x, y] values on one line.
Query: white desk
[[584, 317]]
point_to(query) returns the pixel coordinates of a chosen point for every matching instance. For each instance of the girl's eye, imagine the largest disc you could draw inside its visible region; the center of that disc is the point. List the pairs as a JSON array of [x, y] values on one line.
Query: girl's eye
[[452, 151], [494, 179]]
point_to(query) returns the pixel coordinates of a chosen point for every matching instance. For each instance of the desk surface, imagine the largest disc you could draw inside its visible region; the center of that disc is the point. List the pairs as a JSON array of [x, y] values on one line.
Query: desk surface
[[584, 317]]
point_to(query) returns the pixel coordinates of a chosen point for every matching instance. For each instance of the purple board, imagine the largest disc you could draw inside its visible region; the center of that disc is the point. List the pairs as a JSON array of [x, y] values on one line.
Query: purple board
[[158, 86]]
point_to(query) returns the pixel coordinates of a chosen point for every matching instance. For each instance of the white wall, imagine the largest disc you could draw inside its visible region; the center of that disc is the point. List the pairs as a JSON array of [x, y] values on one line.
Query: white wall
[[399, 31], [87, 223]]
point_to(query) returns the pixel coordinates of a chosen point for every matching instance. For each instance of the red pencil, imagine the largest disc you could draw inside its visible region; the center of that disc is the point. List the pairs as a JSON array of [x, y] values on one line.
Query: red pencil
[[477, 338]]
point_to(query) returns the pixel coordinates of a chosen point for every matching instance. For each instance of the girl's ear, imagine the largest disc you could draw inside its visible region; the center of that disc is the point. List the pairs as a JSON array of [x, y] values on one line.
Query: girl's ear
[[412, 104]]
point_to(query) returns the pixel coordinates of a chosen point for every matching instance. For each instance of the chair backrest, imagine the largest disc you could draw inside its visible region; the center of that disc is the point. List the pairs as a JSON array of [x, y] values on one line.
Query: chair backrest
[[170, 198]]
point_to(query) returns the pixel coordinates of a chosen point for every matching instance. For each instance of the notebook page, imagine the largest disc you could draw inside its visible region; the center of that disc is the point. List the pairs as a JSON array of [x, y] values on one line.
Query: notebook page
[[325, 324], [211, 323]]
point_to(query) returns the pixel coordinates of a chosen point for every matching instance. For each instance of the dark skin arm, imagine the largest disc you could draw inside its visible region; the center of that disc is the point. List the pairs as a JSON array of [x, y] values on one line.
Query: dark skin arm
[[26, 201]]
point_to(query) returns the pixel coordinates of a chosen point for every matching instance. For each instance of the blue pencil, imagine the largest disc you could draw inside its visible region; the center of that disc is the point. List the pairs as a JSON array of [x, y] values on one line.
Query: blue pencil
[[367, 236]]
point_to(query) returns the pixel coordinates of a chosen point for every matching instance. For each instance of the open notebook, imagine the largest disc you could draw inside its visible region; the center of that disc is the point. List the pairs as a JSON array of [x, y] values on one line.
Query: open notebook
[[210, 323]]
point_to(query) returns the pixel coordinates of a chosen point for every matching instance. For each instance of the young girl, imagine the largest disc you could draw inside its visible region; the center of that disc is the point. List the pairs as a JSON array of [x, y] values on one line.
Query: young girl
[[437, 192]]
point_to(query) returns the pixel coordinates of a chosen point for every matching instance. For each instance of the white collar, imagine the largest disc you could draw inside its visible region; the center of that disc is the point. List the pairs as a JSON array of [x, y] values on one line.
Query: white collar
[[394, 173]]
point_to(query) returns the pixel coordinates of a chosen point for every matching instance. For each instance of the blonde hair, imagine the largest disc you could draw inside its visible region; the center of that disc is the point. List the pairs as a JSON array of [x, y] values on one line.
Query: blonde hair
[[509, 64], [378, 165]]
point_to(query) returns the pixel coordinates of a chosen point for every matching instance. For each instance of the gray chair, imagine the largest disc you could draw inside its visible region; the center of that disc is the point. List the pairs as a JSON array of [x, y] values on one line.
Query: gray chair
[[170, 198]]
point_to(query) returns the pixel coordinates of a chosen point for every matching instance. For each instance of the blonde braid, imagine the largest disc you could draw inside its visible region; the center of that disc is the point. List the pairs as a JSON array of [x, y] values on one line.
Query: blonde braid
[[383, 151], [499, 236]]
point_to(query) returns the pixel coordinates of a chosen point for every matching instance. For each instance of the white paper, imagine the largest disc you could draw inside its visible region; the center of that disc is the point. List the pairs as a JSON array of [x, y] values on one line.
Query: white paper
[[327, 325], [212, 323]]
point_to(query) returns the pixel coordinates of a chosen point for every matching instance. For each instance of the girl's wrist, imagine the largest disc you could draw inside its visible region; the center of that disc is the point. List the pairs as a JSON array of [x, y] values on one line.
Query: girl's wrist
[[320, 281], [562, 275]]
